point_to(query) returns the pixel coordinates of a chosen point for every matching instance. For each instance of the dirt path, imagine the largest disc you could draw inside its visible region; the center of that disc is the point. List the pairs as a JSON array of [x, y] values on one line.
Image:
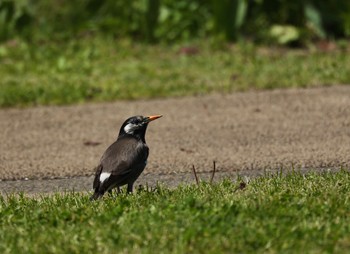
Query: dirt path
[[241, 131]]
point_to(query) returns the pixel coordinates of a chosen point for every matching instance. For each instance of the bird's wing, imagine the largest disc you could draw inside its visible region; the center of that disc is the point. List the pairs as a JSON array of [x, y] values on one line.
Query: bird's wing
[[124, 155]]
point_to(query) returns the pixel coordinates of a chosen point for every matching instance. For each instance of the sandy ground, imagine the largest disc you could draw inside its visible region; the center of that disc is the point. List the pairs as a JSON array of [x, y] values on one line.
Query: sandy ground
[[250, 131]]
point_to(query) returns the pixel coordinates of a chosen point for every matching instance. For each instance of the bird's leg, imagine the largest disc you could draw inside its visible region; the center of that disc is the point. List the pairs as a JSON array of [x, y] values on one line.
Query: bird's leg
[[130, 187], [110, 191]]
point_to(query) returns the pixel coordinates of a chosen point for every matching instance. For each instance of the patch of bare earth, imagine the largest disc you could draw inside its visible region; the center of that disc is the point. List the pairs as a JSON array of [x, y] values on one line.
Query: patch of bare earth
[[307, 128]]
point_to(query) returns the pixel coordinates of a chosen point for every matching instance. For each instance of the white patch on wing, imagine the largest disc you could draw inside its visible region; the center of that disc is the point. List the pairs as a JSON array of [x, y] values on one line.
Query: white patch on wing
[[130, 127], [104, 177]]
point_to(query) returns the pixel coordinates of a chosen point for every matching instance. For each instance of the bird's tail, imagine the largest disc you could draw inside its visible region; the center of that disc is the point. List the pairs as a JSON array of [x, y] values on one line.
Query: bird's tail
[[96, 184]]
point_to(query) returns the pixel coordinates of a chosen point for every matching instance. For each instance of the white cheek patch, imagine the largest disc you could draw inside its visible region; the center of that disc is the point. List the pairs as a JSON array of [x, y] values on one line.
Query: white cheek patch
[[104, 177], [130, 128]]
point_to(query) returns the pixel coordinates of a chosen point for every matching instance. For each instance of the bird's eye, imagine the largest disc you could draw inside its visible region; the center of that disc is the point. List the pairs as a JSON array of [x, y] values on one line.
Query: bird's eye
[[138, 121]]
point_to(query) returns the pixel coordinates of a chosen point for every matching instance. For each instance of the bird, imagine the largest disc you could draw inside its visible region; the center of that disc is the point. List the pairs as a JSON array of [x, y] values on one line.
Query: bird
[[125, 159]]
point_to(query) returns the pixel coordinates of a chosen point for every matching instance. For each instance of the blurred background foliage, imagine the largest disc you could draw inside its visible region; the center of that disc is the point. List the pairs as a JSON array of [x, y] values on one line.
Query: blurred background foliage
[[263, 21]]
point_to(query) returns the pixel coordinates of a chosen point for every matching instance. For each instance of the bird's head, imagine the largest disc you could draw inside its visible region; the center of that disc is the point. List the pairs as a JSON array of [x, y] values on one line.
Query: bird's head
[[137, 125]]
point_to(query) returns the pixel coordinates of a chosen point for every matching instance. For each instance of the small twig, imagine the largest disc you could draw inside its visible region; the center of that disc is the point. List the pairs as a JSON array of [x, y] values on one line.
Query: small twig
[[195, 174], [91, 143], [213, 173]]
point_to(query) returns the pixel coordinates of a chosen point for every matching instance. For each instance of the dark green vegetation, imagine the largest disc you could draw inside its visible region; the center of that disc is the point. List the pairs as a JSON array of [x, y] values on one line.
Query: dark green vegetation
[[272, 214], [97, 69], [66, 52], [280, 21]]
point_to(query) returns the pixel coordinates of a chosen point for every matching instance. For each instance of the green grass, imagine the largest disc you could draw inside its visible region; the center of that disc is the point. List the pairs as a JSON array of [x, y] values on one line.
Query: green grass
[[273, 214], [96, 69]]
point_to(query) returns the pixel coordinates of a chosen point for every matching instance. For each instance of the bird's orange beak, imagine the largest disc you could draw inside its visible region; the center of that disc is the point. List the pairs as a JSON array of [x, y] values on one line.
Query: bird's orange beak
[[151, 118]]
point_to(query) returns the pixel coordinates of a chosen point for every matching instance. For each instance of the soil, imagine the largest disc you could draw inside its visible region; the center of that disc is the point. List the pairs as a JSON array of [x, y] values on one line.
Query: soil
[[242, 132]]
